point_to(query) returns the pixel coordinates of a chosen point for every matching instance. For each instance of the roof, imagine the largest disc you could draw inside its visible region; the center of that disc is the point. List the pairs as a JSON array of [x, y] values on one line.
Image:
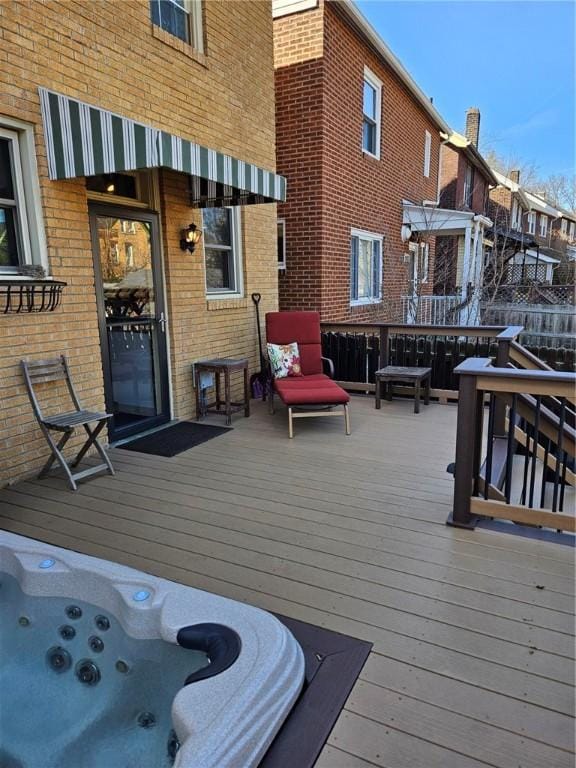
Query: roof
[[367, 31], [532, 201], [543, 257], [540, 205], [513, 186], [460, 142]]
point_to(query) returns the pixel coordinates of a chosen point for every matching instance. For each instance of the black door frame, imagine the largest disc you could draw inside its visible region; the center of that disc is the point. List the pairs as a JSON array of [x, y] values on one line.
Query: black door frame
[[158, 321]]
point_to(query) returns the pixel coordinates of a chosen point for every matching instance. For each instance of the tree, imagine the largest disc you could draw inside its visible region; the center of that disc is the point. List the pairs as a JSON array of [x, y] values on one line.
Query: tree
[[557, 189]]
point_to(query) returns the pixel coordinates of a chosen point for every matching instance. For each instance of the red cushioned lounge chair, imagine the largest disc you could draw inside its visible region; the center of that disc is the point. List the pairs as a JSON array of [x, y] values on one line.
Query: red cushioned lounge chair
[[313, 388]]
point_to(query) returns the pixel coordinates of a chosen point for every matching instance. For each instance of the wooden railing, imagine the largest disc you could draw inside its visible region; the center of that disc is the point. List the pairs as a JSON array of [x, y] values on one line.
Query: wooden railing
[[527, 475], [359, 349]]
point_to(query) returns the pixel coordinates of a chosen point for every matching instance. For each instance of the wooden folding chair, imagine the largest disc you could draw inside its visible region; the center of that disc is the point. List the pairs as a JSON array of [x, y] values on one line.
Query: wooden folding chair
[[56, 369]]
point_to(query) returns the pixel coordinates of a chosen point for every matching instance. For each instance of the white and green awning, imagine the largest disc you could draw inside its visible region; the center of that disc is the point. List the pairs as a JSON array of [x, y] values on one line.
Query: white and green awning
[[83, 140]]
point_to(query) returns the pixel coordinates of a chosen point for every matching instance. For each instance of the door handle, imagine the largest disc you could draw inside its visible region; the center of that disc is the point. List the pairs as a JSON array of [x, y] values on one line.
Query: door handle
[[162, 320]]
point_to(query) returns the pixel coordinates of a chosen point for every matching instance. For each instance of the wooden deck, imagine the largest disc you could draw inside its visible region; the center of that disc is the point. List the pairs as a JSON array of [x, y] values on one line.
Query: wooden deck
[[473, 632]]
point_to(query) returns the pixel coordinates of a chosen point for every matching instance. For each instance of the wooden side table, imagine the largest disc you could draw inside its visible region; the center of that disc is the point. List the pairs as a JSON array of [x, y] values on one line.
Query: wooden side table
[[416, 376], [226, 366]]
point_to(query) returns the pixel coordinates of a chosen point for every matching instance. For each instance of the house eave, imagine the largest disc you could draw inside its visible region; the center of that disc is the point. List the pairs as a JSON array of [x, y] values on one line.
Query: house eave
[[363, 26]]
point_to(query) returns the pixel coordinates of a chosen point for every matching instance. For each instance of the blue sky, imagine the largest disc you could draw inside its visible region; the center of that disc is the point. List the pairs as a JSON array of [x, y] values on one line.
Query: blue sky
[[514, 60]]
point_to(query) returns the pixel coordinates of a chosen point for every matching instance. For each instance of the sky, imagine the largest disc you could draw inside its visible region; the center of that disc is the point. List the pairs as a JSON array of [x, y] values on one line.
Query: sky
[[513, 59]]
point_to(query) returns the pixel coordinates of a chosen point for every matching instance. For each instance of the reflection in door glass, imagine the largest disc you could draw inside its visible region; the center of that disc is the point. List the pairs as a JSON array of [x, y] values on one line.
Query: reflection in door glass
[[126, 264]]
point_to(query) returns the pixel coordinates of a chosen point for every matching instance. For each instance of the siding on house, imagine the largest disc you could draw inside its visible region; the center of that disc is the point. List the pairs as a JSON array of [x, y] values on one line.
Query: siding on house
[[110, 55]]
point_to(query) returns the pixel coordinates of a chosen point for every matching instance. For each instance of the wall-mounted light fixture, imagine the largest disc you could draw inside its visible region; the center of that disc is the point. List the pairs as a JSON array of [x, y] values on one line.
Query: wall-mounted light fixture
[[189, 238], [406, 232]]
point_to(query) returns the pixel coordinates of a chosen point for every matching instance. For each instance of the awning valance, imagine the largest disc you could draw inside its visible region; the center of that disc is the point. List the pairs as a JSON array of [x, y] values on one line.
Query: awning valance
[[83, 140]]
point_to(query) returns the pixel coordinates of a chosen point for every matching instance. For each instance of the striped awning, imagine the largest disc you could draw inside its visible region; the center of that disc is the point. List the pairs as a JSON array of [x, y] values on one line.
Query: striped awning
[[83, 140]]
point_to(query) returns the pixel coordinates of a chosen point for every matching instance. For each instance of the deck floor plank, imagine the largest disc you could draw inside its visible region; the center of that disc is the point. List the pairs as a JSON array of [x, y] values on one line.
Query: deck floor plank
[[473, 631]]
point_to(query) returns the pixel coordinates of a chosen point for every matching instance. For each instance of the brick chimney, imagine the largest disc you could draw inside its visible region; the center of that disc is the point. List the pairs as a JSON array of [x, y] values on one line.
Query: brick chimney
[[515, 176], [473, 125]]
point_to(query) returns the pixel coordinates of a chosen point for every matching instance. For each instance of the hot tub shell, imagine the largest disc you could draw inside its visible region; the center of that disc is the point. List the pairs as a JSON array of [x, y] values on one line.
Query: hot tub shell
[[226, 721]]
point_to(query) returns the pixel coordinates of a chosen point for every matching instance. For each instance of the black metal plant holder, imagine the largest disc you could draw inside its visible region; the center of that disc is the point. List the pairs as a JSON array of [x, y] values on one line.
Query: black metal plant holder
[[29, 295]]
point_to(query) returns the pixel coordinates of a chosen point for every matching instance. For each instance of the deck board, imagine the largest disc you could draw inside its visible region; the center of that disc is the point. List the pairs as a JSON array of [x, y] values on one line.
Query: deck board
[[472, 662]]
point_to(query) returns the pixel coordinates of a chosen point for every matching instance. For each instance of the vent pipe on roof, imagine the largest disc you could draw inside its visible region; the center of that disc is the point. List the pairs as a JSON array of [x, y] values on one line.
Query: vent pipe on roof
[[472, 131]]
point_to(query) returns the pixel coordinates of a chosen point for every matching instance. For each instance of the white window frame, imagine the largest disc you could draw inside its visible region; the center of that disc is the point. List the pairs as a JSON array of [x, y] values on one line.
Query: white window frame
[[129, 252], [517, 213], [531, 223], [376, 83], [468, 191], [543, 225], [236, 237], [421, 256], [371, 237], [30, 220], [282, 262], [571, 231], [427, 153], [564, 227], [193, 9]]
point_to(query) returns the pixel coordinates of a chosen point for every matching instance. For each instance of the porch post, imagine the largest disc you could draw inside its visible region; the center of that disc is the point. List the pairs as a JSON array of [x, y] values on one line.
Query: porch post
[[468, 444], [473, 312], [465, 269]]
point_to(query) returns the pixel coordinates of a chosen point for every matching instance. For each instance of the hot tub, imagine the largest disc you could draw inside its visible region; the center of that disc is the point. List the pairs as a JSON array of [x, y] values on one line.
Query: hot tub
[[102, 666]]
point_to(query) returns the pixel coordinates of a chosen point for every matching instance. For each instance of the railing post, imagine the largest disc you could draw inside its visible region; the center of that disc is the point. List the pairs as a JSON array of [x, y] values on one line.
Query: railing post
[[502, 360], [468, 447], [384, 347]]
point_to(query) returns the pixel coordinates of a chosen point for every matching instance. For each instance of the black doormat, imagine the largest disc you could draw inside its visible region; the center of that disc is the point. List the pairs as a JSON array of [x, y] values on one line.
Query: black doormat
[[175, 439], [332, 665]]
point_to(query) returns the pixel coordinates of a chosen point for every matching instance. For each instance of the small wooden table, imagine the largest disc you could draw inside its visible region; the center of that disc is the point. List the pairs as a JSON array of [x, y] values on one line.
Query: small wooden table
[[397, 373], [226, 366]]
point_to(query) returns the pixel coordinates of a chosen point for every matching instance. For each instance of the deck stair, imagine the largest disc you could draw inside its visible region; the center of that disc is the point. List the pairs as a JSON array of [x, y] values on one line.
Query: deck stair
[[523, 444]]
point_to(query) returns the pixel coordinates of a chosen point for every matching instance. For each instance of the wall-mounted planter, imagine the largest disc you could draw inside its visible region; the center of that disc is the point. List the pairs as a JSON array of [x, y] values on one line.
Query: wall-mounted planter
[[29, 295]]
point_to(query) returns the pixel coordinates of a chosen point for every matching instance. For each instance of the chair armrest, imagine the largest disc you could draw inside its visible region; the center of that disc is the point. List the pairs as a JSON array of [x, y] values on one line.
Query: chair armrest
[[330, 366]]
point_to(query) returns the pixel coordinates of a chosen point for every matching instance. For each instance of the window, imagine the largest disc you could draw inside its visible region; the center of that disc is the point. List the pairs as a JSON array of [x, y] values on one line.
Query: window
[[564, 227], [128, 227], [371, 109], [572, 228], [419, 261], [517, 216], [181, 18], [127, 188], [365, 268], [543, 225], [468, 186], [222, 252], [281, 225], [21, 226], [129, 251], [427, 152], [531, 223]]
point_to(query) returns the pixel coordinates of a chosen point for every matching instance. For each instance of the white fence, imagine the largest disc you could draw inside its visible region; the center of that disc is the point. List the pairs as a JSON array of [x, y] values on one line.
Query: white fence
[[431, 310]]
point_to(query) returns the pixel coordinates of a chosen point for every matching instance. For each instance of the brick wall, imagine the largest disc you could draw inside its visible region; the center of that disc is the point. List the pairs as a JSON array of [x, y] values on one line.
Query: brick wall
[[345, 188], [108, 54], [454, 166]]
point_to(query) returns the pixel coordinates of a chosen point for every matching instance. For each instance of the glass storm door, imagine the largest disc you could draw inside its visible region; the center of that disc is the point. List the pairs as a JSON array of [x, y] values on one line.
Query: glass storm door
[[132, 318]]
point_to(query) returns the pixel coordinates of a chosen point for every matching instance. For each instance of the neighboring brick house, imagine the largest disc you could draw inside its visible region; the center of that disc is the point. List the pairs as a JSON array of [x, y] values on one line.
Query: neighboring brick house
[[465, 180], [98, 191], [356, 138], [535, 239]]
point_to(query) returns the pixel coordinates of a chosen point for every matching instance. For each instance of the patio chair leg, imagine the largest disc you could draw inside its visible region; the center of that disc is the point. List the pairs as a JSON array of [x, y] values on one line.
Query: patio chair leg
[[57, 454], [271, 402], [347, 419], [92, 440], [290, 424]]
